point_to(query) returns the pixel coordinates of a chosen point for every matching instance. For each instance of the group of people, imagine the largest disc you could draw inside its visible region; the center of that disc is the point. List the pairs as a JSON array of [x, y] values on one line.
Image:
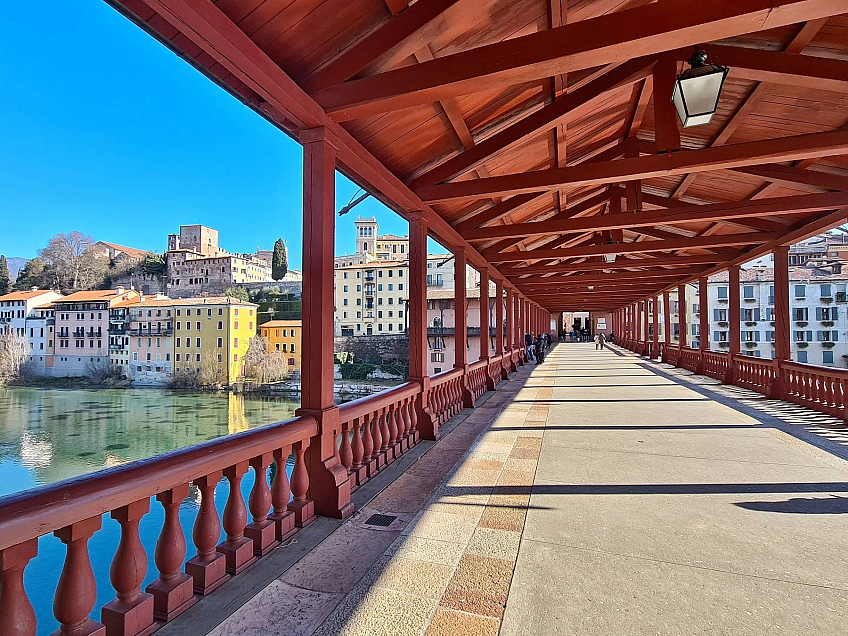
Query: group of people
[[536, 345]]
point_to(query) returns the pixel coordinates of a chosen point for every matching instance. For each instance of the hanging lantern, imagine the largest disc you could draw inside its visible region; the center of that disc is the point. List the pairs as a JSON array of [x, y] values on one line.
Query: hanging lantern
[[697, 90], [609, 258]]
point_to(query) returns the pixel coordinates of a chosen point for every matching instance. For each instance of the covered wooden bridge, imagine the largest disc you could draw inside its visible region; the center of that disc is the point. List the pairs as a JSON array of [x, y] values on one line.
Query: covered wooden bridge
[[538, 140]]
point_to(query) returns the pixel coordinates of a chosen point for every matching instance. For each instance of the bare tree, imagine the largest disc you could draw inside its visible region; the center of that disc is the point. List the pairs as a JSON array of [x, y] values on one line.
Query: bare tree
[[14, 358], [212, 373], [262, 363], [74, 264]]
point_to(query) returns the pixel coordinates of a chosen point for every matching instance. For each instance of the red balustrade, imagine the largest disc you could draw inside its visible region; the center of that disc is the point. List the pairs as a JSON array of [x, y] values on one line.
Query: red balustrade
[[476, 378], [716, 364], [753, 373], [690, 358], [815, 387], [672, 354], [446, 394]]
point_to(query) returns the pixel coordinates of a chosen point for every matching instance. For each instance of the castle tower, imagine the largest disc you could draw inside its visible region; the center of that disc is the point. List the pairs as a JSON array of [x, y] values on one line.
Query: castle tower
[[366, 235]]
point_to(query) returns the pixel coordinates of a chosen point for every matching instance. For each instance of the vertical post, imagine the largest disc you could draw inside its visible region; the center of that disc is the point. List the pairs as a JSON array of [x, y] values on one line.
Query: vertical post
[[734, 316], [645, 328], [519, 325], [665, 119], [666, 322], [704, 322], [428, 425], [484, 314], [681, 314], [329, 487], [656, 349], [510, 327], [460, 322], [500, 340], [781, 318]]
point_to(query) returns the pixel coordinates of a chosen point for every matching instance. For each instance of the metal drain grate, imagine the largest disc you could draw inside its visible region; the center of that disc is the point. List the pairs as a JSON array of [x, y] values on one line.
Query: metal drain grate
[[380, 520]]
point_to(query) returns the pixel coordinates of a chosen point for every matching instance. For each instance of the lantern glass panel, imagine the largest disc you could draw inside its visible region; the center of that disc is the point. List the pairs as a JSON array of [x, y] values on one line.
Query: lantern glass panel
[[696, 97]]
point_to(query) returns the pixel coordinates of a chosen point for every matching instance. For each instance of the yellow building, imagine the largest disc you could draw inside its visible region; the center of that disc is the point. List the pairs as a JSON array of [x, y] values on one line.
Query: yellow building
[[211, 338], [284, 336]]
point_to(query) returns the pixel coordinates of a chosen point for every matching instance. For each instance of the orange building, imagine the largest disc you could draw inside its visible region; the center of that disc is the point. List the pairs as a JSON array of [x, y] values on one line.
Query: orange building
[[284, 336]]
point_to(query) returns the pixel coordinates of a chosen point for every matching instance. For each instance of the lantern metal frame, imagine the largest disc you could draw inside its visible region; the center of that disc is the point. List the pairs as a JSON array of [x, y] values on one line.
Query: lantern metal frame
[[698, 68]]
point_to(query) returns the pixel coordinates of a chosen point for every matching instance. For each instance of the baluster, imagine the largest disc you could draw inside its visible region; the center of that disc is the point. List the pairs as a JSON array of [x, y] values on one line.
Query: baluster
[[368, 460], [262, 530], [345, 450], [207, 568], [303, 508], [384, 431], [237, 548], [413, 412], [377, 438], [358, 453], [76, 592], [131, 613], [173, 591], [282, 517], [435, 403], [17, 616], [406, 414], [392, 428]]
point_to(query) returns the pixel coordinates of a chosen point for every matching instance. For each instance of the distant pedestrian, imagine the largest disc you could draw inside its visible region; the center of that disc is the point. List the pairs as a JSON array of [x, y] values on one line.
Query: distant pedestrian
[[599, 342], [612, 336], [528, 345], [540, 349]]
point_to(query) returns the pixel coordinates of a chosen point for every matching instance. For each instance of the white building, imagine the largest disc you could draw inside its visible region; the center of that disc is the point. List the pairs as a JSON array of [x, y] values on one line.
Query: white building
[[818, 314], [40, 328], [16, 307]]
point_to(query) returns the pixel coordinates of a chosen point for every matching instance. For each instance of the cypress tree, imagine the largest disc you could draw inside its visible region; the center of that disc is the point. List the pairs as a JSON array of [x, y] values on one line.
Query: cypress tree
[[5, 277], [279, 261]]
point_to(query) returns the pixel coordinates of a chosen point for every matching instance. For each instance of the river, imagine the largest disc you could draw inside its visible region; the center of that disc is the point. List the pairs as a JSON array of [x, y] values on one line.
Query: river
[[47, 435]]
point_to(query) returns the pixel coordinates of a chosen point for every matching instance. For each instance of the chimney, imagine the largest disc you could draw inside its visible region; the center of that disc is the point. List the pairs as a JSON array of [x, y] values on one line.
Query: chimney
[[119, 290], [33, 289]]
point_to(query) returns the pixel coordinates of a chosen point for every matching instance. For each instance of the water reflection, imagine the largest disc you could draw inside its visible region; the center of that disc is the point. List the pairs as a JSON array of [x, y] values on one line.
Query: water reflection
[[47, 435]]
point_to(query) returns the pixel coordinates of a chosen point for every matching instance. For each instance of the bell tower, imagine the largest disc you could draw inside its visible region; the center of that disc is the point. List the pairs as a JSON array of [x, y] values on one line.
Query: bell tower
[[366, 235]]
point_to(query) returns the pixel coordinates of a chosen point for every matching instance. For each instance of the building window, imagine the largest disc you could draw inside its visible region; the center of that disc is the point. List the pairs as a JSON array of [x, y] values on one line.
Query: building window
[[220, 343], [235, 343], [747, 291], [220, 325], [722, 293], [802, 356], [800, 291], [827, 357]]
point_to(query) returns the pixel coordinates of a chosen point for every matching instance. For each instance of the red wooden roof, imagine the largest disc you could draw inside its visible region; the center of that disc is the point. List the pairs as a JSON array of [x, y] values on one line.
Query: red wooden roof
[[492, 115]]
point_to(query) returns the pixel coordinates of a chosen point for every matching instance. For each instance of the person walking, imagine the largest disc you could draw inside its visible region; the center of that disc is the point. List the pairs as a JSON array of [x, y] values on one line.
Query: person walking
[[540, 349], [599, 342], [528, 345]]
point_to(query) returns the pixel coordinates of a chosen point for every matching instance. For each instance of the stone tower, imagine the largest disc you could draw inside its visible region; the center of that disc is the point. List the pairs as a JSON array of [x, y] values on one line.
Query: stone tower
[[366, 235]]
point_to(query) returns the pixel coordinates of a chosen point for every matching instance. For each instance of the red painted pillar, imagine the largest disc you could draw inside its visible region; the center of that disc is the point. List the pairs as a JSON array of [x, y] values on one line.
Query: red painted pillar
[[637, 322], [428, 425], [734, 317], [501, 340], [781, 318], [460, 321], [704, 321], [666, 322], [656, 349], [328, 479], [645, 329], [519, 332], [681, 313], [484, 314], [510, 327]]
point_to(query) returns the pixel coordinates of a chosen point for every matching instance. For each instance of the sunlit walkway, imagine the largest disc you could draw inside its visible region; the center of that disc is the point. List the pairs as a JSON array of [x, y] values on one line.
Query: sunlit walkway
[[602, 496]]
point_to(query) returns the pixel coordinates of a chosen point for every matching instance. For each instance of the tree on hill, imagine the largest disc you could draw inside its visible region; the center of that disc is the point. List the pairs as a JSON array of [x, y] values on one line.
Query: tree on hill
[[35, 274], [280, 261], [5, 277], [237, 293], [75, 266]]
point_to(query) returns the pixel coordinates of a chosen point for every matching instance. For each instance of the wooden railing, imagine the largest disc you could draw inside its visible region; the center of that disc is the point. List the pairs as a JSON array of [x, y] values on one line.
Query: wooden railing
[[374, 431], [72, 510], [820, 388], [716, 364], [690, 358]]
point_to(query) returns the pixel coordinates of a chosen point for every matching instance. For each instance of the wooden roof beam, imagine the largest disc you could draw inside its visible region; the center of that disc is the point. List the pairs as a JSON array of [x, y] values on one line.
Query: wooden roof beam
[[407, 22], [810, 180], [619, 264], [642, 247], [645, 167], [645, 30], [544, 119], [673, 216]]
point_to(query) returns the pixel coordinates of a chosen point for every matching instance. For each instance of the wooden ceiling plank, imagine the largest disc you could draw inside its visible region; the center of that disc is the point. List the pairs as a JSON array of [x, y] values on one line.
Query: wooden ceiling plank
[[544, 119], [645, 30], [811, 180], [645, 167], [406, 22], [627, 264]]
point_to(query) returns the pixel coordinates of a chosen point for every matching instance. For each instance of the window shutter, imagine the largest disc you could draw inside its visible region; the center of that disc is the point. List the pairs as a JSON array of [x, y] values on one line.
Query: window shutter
[[757, 313], [741, 314], [834, 336], [818, 313], [716, 336], [715, 315], [809, 336], [834, 313], [756, 336]]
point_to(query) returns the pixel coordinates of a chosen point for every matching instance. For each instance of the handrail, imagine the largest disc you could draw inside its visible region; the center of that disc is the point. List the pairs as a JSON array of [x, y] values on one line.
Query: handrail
[[367, 404], [445, 376], [22, 515]]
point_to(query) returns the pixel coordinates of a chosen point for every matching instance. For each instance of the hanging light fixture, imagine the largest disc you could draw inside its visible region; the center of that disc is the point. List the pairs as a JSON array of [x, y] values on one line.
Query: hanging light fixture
[[697, 90]]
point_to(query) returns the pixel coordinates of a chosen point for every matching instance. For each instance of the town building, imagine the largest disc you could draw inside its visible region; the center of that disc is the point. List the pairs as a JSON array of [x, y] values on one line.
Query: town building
[[16, 307], [371, 298], [198, 266], [371, 246], [284, 336], [441, 316], [150, 333], [40, 330], [211, 338], [82, 329], [118, 254], [818, 302], [119, 339]]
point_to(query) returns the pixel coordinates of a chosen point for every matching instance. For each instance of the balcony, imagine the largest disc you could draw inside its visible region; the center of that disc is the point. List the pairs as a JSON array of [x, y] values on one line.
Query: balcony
[[118, 329], [117, 347], [143, 331]]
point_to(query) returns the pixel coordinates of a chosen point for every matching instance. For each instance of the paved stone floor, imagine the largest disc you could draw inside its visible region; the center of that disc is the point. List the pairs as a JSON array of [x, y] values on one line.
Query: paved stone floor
[[596, 494]]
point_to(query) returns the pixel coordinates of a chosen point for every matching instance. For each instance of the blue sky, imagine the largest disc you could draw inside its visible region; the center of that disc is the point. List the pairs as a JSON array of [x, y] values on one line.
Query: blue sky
[[107, 132]]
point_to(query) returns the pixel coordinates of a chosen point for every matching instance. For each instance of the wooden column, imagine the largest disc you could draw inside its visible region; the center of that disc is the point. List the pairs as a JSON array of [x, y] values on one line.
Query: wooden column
[[656, 348], [666, 318], [734, 317], [328, 479], [502, 340], [681, 315], [460, 321], [428, 425], [484, 314], [510, 327], [781, 317], [645, 329], [704, 322]]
